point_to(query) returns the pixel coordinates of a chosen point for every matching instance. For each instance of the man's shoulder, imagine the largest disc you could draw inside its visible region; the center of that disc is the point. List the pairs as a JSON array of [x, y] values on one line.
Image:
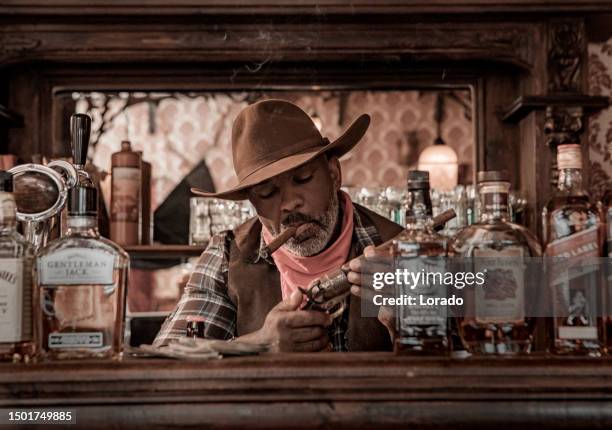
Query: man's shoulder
[[384, 226], [247, 238], [239, 233]]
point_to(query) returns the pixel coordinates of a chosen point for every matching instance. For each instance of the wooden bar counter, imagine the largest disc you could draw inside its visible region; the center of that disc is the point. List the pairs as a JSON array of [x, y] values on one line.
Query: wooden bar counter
[[325, 390]]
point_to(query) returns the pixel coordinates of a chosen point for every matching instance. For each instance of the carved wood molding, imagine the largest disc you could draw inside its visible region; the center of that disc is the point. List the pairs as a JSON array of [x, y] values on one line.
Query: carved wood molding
[[566, 56], [268, 42], [16, 45]]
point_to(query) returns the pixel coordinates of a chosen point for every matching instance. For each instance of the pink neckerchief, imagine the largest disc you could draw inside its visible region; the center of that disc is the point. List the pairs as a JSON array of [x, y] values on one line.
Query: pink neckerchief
[[296, 271]]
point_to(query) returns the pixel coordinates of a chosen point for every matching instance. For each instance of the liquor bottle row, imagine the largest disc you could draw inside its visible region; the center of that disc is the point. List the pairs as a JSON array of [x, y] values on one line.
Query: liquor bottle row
[[77, 305], [66, 299], [392, 203], [495, 320]]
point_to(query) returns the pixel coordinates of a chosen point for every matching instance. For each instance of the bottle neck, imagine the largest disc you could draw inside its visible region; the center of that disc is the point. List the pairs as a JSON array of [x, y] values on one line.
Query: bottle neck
[[570, 181], [419, 211], [82, 226], [494, 201]]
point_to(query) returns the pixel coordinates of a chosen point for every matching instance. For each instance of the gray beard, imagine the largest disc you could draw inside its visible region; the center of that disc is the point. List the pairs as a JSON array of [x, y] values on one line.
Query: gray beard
[[324, 231]]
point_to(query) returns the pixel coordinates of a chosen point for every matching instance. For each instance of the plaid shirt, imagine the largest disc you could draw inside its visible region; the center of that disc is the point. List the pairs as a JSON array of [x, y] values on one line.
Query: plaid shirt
[[206, 293]]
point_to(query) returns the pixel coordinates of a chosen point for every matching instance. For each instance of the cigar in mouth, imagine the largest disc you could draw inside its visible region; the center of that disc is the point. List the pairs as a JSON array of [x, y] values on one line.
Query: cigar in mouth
[[281, 239]]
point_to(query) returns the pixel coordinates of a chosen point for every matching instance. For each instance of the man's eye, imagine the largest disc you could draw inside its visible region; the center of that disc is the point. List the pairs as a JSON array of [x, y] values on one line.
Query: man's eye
[[266, 194], [303, 179]]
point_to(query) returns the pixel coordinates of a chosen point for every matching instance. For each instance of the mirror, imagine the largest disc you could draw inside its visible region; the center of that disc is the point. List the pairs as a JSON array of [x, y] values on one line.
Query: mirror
[[178, 130]]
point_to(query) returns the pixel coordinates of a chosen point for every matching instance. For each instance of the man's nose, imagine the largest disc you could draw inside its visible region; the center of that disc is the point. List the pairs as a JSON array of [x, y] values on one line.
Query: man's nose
[[291, 201]]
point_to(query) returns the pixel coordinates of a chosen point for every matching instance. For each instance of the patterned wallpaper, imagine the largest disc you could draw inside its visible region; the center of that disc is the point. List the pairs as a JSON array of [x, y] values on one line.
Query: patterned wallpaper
[[176, 132], [600, 125]]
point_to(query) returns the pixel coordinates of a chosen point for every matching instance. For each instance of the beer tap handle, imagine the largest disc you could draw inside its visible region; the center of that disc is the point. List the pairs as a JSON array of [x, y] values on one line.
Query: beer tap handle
[[80, 130]]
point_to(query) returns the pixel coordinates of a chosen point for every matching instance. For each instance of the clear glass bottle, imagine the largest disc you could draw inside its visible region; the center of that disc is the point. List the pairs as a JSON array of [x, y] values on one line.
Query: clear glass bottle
[[572, 228], [421, 329], [82, 281], [16, 288], [494, 322]]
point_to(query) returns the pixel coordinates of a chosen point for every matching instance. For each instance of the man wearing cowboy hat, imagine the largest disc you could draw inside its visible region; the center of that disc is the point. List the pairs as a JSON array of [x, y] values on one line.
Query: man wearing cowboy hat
[[292, 176]]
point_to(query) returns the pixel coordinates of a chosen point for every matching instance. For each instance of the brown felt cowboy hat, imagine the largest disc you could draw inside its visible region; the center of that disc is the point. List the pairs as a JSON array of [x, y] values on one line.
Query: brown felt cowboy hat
[[273, 136]]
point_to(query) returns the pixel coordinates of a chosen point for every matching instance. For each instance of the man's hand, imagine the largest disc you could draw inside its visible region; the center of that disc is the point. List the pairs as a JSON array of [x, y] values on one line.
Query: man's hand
[[361, 270], [289, 329]]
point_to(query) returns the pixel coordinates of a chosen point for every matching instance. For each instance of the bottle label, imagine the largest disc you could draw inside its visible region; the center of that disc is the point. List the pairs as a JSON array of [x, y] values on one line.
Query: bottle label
[[421, 314], [15, 300], [75, 340], [577, 332], [76, 266], [569, 157], [581, 244], [8, 208], [502, 297], [497, 200], [575, 296], [126, 186]]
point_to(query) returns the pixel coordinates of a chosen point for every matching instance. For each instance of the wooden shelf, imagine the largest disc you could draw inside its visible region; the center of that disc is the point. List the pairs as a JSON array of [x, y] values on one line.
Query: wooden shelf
[[163, 252], [524, 105]]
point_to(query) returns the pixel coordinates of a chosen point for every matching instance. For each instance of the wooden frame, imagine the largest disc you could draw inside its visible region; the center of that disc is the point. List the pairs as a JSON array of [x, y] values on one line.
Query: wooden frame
[[204, 53], [275, 79], [502, 49]]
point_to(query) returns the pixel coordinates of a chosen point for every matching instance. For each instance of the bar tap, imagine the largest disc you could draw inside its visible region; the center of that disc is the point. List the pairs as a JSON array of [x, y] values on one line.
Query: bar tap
[[80, 131], [41, 191]]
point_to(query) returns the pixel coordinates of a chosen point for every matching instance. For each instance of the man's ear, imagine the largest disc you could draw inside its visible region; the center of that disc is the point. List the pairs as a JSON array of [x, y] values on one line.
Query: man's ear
[[335, 171]]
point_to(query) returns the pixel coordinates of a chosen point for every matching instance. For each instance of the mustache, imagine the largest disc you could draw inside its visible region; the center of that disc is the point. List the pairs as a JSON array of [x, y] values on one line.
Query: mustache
[[299, 218]]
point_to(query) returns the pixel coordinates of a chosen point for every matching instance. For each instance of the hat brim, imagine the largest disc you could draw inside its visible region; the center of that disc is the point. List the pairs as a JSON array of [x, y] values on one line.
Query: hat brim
[[338, 148]]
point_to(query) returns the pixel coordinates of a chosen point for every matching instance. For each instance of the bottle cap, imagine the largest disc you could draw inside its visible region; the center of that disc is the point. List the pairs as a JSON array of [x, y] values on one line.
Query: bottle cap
[[492, 176], [418, 180], [569, 157], [83, 201], [6, 181]]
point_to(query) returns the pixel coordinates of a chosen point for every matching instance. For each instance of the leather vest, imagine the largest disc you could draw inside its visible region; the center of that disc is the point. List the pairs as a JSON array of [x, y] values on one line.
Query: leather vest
[[254, 284]]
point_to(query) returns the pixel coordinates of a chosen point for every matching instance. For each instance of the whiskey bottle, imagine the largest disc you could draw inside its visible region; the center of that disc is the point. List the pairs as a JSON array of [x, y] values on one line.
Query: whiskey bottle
[[82, 280], [16, 288], [572, 229], [421, 329], [82, 277], [494, 319]]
